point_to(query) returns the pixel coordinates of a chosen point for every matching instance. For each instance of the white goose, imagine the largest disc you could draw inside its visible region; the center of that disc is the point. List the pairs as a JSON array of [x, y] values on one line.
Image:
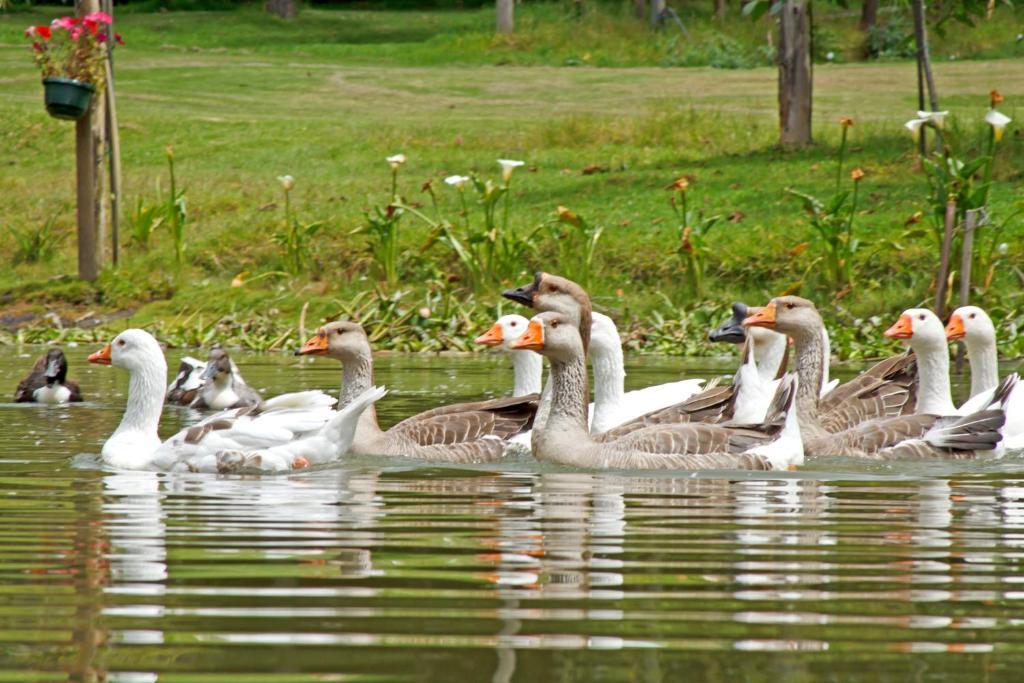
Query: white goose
[[973, 325], [287, 432], [612, 404]]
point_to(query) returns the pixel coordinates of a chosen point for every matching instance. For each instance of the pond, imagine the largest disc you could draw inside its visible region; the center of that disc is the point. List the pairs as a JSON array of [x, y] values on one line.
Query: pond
[[391, 569]]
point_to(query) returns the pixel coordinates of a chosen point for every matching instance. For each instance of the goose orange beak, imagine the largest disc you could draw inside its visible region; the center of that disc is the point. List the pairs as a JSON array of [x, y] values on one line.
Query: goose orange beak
[[764, 317], [491, 337], [101, 357], [955, 328], [532, 339], [316, 346], [901, 329]]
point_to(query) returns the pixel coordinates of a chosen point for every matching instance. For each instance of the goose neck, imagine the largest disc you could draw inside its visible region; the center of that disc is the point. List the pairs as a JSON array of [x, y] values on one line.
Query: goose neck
[[527, 368], [768, 354], [609, 375], [984, 361], [357, 377], [568, 413], [809, 359], [933, 395], [145, 399]]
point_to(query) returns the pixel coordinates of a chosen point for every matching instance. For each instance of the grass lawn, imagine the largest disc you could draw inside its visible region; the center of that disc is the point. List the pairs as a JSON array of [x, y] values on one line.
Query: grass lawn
[[244, 98]]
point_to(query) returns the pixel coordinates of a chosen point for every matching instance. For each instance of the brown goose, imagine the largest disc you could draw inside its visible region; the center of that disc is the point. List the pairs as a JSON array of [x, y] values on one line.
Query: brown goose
[[223, 387], [892, 438], [550, 292], [565, 438], [463, 432], [48, 382]]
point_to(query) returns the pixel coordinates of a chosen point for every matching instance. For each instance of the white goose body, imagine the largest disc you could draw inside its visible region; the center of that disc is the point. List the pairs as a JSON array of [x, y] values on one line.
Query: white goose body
[[286, 432]]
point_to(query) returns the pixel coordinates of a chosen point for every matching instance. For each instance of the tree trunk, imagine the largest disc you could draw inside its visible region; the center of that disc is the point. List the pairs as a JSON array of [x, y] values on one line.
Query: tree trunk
[[868, 15], [640, 8], [286, 9], [506, 17], [657, 8], [923, 56], [795, 73], [720, 10]]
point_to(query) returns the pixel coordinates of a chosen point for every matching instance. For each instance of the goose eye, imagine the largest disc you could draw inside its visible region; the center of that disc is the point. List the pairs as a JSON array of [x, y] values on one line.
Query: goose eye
[[513, 323], [921, 316], [971, 316], [120, 342], [554, 324], [790, 305], [340, 331]]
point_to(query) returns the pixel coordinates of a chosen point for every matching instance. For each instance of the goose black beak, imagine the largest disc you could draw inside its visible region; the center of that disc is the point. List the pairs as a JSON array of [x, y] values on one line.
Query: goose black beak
[[524, 295], [731, 331]]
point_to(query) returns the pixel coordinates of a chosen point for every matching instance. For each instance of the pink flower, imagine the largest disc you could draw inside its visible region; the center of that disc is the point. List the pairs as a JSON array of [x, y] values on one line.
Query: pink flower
[[30, 31], [66, 23], [76, 33], [98, 17], [101, 38]]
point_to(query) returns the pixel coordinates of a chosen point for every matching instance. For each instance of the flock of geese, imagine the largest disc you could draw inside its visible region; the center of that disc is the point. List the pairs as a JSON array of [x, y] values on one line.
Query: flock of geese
[[768, 418]]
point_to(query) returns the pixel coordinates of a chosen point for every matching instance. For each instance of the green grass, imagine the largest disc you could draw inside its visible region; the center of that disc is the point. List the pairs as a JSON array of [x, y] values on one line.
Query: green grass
[[244, 98]]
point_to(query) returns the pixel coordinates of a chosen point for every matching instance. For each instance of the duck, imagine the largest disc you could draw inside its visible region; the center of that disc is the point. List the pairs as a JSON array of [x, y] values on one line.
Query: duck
[[566, 439], [463, 432], [185, 386], [287, 432], [612, 405], [915, 436], [223, 386], [48, 382], [974, 326]]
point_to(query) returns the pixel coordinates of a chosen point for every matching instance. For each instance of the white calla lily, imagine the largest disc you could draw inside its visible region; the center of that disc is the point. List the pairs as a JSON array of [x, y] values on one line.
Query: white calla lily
[[458, 181], [508, 166], [396, 160], [914, 126], [998, 121], [936, 117], [287, 182]]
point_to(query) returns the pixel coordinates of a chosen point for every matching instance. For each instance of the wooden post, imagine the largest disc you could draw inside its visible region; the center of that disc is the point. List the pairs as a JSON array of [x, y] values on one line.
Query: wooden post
[[924, 65], [947, 248], [657, 9], [966, 257], [720, 9], [113, 142], [506, 16], [88, 159], [640, 8], [795, 86], [868, 15]]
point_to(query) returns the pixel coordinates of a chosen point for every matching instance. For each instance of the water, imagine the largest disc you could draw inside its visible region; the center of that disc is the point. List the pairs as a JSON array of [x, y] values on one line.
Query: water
[[385, 570]]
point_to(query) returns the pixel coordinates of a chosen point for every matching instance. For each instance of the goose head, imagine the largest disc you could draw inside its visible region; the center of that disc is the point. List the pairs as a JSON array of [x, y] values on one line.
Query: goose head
[[790, 315], [550, 292], [504, 331], [971, 324], [56, 370], [133, 350], [218, 366], [731, 331], [551, 334], [920, 328], [342, 340]]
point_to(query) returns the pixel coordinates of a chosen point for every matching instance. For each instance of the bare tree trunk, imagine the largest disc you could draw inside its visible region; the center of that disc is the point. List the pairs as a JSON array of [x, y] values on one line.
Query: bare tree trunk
[[657, 8], [795, 84], [720, 8], [506, 16], [868, 15], [640, 7], [286, 9]]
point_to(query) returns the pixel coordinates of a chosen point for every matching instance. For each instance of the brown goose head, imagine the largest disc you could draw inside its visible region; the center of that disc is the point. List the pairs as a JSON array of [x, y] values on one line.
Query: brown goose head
[[790, 315], [218, 365], [56, 368], [342, 340], [550, 292], [551, 334]]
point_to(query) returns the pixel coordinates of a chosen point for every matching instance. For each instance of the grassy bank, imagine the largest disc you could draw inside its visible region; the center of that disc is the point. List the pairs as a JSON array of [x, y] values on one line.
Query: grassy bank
[[244, 99]]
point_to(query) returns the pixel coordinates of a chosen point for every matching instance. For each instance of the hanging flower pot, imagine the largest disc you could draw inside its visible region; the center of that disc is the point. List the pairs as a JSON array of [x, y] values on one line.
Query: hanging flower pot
[[71, 53], [67, 98]]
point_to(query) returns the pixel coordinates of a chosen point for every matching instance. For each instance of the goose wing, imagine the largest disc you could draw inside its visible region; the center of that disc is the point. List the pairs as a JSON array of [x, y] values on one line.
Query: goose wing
[[465, 422], [709, 406], [887, 389]]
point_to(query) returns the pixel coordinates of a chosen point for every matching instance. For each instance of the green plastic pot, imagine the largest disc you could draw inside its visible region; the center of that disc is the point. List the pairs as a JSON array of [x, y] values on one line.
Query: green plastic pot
[[66, 98]]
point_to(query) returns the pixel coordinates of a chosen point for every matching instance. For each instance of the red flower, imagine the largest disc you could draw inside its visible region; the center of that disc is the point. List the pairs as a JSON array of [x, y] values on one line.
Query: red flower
[[101, 38], [90, 25], [119, 39], [44, 32]]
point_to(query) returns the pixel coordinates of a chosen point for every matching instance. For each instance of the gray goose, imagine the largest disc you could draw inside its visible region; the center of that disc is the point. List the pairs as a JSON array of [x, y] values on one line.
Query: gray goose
[[550, 292], [565, 439], [463, 432], [48, 382], [894, 438]]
